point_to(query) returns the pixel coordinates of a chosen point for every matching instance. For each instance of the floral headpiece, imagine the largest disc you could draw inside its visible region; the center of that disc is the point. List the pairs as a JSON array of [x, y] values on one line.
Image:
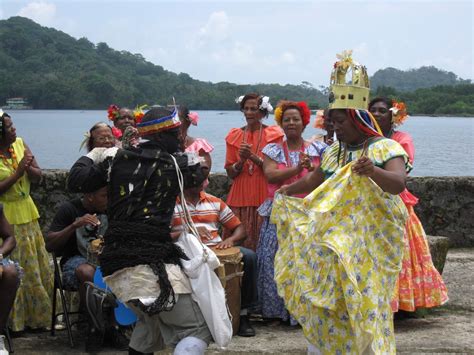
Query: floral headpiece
[[399, 113], [113, 112], [193, 117], [138, 113], [319, 121], [264, 106], [302, 107]]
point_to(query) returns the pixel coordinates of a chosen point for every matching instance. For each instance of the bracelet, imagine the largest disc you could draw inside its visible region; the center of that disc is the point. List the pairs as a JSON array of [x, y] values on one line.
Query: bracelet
[[236, 168]]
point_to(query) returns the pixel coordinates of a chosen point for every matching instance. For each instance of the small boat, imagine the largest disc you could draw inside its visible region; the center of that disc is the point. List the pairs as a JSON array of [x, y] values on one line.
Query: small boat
[[17, 103]]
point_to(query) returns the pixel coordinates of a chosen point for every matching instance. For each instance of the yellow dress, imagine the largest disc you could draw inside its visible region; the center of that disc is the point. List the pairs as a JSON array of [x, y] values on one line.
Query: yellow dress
[[339, 257], [32, 307]]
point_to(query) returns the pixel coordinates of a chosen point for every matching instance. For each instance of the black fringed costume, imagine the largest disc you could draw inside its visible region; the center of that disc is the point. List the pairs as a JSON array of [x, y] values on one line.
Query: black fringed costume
[[143, 187]]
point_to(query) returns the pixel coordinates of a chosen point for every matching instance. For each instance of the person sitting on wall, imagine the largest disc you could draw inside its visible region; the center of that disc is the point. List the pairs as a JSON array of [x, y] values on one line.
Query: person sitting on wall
[[208, 214], [9, 275], [76, 224]]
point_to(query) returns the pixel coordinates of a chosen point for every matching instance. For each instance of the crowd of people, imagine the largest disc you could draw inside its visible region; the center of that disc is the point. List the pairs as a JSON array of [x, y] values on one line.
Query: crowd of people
[[326, 227]]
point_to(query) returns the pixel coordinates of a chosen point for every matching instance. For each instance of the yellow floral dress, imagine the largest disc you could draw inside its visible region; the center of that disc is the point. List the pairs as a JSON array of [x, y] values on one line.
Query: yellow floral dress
[[340, 254], [32, 307]]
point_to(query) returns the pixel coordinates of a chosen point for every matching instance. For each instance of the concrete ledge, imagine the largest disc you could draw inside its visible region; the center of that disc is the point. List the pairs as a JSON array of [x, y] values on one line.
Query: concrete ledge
[[446, 206]]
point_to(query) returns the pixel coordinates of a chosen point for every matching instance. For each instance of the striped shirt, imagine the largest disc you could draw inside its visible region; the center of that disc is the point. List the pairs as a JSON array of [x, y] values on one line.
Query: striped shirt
[[209, 212]]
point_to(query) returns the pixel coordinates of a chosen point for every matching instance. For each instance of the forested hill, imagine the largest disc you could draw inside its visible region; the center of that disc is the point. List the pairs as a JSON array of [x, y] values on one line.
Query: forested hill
[[54, 70], [410, 80]]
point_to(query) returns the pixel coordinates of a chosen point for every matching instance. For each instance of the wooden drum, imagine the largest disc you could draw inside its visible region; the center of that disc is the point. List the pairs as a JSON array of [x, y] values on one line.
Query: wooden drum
[[230, 273]]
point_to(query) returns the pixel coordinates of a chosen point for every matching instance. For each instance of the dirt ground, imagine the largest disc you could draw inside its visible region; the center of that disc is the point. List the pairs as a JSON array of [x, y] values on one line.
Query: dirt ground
[[448, 329]]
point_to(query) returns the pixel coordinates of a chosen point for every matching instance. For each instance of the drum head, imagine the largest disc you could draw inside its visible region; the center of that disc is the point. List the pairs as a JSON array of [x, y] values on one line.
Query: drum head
[[231, 255]]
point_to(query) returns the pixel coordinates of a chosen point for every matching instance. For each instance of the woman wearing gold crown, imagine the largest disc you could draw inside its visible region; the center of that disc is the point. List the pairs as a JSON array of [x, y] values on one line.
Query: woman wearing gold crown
[[419, 284], [341, 246]]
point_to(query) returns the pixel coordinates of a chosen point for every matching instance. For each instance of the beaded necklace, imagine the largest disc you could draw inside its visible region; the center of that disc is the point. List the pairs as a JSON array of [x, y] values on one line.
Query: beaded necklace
[[14, 163], [249, 162]]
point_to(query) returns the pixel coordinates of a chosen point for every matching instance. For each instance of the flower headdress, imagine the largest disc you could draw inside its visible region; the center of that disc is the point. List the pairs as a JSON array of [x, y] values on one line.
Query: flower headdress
[[399, 113], [264, 106], [302, 108], [138, 113], [193, 117], [113, 112]]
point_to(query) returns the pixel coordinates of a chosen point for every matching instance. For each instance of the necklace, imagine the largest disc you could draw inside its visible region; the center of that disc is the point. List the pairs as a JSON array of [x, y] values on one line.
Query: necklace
[[364, 145], [6, 161], [249, 162]]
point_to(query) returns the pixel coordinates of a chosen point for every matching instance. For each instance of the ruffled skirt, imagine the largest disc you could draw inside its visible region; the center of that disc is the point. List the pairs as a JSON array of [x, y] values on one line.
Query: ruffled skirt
[[419, 284]]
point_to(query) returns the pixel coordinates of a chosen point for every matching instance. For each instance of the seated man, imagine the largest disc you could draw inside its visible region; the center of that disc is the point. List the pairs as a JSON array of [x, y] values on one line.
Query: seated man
[[9, 278], [75, 225], [207, 213]]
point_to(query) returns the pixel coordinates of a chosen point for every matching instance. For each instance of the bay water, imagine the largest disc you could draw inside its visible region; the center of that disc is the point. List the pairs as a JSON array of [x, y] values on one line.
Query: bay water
[[444, 145]]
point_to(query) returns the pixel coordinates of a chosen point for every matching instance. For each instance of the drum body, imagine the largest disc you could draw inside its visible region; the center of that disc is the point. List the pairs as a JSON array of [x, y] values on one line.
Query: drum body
[[230, 273]]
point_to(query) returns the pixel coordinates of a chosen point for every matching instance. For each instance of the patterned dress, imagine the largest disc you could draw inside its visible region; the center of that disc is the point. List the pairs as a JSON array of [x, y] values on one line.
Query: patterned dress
[[340, 252], [271, 305], [419, 284], [32, 307]]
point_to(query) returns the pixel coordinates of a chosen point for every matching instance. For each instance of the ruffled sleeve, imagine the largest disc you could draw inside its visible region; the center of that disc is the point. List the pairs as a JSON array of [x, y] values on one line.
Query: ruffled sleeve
[[200, 144], [273, 134], [233, 140], [384, 149], [316, 149], [234, 137], [275, 152]]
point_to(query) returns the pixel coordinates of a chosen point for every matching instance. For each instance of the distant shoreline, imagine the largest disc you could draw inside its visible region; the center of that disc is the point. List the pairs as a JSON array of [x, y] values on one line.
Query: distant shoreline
[[104, 109]]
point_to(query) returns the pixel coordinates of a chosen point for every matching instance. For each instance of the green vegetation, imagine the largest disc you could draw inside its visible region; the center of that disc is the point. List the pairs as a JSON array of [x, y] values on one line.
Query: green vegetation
[[454, 100], [410, 80], [54, 70]]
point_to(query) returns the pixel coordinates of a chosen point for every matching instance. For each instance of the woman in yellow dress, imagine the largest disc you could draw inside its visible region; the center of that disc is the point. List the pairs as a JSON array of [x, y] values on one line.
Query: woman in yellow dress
[[341, 246], [32, 307]]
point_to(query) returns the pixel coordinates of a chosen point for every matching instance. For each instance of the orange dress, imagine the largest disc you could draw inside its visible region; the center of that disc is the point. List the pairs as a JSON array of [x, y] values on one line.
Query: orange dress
[[419, 283], [249, 188]]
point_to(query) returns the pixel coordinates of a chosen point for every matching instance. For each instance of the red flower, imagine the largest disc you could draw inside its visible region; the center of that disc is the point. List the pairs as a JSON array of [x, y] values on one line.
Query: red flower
[[113, 112], [305, 112]]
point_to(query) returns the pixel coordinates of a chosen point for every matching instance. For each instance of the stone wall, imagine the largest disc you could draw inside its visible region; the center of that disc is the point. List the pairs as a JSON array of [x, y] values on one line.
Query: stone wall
[[446, 205]]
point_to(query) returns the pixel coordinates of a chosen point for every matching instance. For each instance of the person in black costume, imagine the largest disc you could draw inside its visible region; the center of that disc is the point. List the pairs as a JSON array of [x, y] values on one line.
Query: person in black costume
[[139, 261]]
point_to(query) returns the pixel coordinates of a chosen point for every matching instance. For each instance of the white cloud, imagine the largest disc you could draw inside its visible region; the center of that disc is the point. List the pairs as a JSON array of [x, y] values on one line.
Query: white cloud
[[288, 58], [39, 11], [216, 28]]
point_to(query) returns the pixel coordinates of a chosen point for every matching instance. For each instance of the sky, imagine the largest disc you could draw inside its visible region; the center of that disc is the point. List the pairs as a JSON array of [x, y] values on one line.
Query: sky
[[285, 42]]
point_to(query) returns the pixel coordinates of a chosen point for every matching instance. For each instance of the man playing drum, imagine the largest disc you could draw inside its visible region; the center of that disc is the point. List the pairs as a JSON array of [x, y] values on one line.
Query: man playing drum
[[208, 214]]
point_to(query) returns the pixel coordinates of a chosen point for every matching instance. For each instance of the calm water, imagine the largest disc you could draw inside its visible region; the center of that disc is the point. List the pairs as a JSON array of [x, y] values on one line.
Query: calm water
[[444, 145]]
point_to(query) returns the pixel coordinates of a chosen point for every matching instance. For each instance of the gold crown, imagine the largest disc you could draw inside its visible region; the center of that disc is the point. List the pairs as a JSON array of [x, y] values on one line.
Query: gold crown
[[348, 94]]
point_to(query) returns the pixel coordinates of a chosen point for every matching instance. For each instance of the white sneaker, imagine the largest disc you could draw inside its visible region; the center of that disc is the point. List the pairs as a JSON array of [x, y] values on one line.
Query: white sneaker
[[3, 350]]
